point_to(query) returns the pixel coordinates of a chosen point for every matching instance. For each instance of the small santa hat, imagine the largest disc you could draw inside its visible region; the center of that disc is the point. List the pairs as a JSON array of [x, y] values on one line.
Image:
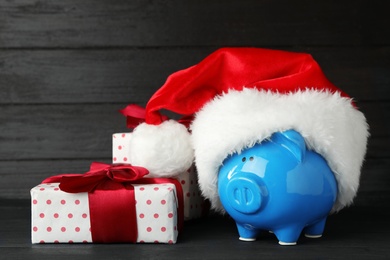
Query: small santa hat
[[239, 97]]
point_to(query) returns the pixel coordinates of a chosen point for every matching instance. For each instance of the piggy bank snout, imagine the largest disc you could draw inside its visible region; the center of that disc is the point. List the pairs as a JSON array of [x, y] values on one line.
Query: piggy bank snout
[[244, 194]]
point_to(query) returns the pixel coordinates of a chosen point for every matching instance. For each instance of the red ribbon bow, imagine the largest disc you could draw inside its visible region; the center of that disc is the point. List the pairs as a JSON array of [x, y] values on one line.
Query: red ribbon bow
[[101, 176], [112, 199]]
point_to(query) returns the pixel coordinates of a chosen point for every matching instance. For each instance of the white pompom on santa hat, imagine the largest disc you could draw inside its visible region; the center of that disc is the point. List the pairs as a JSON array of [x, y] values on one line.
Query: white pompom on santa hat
[[239, 97]]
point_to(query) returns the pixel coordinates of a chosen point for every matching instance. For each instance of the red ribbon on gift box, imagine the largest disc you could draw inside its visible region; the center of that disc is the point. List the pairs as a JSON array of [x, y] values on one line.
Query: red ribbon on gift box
[[112, 199]]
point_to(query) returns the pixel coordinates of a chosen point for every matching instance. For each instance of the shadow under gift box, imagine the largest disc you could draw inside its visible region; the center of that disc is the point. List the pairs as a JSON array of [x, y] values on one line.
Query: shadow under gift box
[[195, 205], [61, 217]]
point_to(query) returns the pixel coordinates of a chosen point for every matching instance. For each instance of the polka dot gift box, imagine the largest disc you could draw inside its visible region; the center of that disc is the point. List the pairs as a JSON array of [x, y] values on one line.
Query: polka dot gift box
[[105, 215], [194, 203]]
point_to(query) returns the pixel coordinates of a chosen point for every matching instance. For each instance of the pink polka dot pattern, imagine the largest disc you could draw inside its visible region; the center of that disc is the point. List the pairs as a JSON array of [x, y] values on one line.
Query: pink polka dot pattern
[[120, 148], [194, 203], [156, 203], [57, 217]]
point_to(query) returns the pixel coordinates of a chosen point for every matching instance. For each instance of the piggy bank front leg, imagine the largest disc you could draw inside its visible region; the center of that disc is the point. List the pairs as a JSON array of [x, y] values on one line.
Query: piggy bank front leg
[[288, 236], [247, 232], [315, 230]]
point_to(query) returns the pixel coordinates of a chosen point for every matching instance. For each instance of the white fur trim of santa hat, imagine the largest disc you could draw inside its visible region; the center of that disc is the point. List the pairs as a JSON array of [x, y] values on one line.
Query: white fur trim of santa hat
[[164, 149], [329, 123]]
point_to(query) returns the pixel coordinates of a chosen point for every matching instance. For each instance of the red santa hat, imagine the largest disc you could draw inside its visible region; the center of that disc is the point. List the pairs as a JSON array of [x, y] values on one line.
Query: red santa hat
[[239, 97]]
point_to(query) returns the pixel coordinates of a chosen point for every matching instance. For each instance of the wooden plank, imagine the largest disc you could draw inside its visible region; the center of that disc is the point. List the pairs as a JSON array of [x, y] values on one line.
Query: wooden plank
[[59, 131], [377, 114], [378, 147], [359, 71], [133, 75], [18, 177], [374, 183], [98, 23], [83, 76], [84, 131]]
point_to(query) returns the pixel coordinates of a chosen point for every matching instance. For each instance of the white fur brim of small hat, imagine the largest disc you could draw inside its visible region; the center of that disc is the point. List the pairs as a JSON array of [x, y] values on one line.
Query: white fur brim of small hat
[[330, 124]]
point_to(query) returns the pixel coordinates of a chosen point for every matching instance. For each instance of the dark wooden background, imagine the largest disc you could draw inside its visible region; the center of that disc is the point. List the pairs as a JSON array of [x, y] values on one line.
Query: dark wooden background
[[67, 67]]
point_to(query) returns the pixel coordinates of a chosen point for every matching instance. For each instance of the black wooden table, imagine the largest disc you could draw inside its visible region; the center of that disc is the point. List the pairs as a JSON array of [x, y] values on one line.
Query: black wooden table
[[353, 233]]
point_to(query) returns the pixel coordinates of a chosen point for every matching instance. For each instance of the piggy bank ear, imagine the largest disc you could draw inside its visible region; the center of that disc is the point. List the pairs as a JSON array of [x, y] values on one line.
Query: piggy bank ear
[[292, 141]]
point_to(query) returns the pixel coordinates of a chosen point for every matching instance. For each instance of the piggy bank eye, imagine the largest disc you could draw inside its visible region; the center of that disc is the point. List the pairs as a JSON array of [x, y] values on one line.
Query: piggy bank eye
[[243, 159], [251, 158]]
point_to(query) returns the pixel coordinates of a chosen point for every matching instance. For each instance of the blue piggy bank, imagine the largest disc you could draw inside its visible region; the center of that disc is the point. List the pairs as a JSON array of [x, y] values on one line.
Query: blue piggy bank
[[279, 186]]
